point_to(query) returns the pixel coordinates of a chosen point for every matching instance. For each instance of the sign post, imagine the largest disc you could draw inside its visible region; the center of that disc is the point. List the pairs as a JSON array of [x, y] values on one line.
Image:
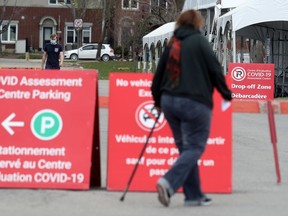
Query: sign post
[[78, 25]]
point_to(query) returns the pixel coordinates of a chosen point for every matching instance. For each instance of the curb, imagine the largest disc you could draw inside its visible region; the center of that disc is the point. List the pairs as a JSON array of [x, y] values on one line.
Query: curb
[[238, 106]]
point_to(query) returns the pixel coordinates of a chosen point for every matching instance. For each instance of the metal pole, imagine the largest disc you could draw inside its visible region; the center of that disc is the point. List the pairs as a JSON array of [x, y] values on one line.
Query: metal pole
[[273, 139], [139, 158], [234, 46]]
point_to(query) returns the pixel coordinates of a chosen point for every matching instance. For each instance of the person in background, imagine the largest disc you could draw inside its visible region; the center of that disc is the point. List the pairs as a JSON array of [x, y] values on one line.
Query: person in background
[[182, 87], [53, 56]]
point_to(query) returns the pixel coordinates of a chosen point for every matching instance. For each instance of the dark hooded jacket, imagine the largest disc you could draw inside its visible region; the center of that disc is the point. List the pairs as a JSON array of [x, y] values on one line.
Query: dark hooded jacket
[[200, 70]]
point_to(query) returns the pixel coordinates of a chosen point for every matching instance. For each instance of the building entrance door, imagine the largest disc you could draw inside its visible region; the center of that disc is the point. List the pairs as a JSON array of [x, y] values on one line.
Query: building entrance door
[[47, 31]]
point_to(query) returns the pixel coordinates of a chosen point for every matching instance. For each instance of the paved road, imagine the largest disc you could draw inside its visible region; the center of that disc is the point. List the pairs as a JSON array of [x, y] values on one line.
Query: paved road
[[255, 191], [32, 63]]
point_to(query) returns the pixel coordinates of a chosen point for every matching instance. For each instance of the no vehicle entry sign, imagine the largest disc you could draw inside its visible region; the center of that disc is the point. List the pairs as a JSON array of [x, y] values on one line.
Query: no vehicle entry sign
[[131, 117], [46, 128]]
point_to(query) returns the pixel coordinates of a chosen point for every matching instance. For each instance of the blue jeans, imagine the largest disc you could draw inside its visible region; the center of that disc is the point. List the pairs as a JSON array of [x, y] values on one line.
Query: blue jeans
[[190, 123]]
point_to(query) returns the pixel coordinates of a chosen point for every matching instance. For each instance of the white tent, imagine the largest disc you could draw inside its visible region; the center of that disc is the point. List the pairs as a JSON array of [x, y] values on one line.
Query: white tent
[[159, 35], [260, 20], [257, 19], [199, 4], [256, 11], [232, 3], [154, 42], [164, 33]]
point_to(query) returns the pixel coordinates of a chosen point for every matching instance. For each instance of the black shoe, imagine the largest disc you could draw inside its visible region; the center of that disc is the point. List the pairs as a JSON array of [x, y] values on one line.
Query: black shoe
[[163, 195], [204, 201]]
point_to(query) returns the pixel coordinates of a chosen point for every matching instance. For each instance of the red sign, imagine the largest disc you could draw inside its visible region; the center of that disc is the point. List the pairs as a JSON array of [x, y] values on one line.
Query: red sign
[[131, 117], [252, 81], [47, 126]]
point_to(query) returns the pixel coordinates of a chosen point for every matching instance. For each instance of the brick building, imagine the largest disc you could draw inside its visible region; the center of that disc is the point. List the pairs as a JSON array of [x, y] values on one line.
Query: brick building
[[133, 19], [35, 20]]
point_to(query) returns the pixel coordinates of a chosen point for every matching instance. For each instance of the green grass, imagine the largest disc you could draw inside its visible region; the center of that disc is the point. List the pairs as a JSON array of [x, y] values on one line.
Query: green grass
[[104, 68], [32, 56]]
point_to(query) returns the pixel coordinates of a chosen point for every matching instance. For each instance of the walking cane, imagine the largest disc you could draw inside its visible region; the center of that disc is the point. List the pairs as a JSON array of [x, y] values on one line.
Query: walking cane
[[139, 158]]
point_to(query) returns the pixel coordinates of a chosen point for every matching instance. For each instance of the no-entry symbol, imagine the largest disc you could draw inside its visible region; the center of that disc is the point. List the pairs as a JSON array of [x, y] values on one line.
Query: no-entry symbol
[[146, 116]]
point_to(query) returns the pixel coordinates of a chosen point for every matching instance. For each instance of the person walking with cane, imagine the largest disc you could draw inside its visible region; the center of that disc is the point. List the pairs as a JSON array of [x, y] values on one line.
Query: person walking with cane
[[182, 87]]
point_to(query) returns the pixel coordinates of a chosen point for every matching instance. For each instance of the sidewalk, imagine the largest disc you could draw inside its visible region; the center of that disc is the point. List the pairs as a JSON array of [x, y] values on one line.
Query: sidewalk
[[32, 64], [255, 191]]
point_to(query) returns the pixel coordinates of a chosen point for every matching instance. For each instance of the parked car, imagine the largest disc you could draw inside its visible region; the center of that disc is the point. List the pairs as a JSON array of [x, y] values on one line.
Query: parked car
[[89, 51]]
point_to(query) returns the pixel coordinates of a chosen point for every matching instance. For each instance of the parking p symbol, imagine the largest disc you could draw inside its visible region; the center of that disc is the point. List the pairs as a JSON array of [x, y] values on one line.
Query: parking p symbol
[[46, 124]]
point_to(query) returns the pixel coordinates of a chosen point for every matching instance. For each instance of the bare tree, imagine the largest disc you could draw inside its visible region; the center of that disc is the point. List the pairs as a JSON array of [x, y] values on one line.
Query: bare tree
[[106, 24], [78, 11], [164, 11], [4, 22], [155, 14], [161, 12]]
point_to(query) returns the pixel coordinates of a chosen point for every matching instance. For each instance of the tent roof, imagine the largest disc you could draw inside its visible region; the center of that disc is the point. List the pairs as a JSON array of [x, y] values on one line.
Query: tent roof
[[197, 5], [232, 3], [160, 34], [255, 11]]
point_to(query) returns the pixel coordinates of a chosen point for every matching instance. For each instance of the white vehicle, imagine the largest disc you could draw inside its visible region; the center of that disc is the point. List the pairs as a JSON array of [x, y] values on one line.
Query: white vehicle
[[89, 51]]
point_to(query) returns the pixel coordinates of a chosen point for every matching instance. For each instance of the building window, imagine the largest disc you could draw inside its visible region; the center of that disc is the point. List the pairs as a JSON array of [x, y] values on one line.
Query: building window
[[158, 7], [86, 34], [130, 4], [159, 3], [59, 1], [71, 36], [11, 35]]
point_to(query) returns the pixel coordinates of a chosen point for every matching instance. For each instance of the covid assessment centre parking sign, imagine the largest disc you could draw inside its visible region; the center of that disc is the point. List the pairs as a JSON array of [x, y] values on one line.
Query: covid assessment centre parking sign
[[131, 117], [47, 126]]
